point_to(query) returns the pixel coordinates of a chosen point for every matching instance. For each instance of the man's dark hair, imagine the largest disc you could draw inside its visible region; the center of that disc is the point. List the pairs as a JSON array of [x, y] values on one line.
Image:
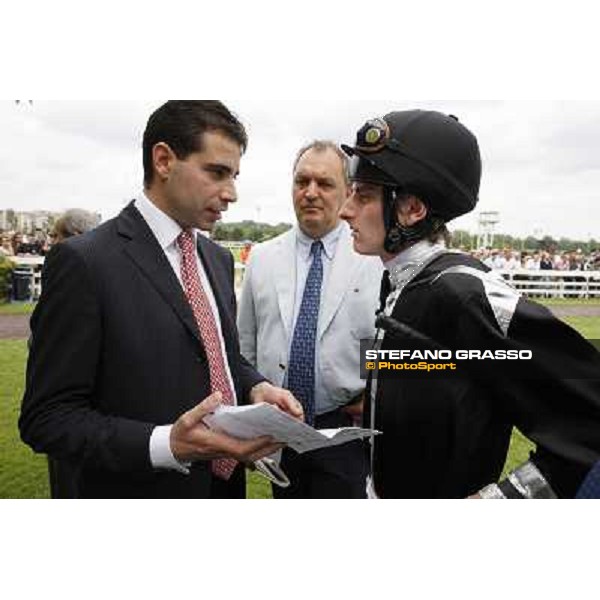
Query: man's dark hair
[[181, 123], [440, 232]]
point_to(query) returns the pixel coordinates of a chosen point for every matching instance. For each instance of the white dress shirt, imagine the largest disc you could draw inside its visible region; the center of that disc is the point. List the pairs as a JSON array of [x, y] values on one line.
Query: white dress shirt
[[166, 231]]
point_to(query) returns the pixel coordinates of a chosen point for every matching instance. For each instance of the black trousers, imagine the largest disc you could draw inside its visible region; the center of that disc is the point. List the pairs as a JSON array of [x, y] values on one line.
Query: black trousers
[[337, 472], [233, 489]]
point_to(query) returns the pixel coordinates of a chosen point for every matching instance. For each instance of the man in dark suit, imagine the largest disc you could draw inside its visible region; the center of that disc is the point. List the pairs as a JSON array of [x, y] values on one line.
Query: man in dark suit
[[134, 338]]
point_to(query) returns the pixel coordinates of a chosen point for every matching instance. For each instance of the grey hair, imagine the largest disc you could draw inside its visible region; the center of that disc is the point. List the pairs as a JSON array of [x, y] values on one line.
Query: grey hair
[[322, 146], [76, 221]]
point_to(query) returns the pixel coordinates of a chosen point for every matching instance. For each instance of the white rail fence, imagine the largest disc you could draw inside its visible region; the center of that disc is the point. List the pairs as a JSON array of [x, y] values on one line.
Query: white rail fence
[[554, 284], [537, 284]]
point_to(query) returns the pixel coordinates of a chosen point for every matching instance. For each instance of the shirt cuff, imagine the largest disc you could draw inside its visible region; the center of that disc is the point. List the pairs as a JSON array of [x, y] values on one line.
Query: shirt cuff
[[161, 456]]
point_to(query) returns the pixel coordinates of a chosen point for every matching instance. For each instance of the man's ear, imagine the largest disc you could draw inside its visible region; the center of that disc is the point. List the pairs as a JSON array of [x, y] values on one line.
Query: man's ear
[[163, 159], [347, 190], [410, 210]]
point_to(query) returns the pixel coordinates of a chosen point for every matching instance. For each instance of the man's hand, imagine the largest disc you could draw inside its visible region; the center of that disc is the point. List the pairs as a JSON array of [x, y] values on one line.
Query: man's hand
[[355, 408], [284, 399], [192, 440]]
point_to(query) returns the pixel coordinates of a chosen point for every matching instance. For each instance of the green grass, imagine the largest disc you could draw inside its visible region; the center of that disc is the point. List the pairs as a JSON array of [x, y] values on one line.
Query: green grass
[[17, 308], [589, 327], [568, 301], [23, 474], [257, 487], [518, 452]]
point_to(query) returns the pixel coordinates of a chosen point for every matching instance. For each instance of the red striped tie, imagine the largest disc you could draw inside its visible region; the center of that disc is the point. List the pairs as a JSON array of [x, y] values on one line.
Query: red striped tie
[[222, 468]]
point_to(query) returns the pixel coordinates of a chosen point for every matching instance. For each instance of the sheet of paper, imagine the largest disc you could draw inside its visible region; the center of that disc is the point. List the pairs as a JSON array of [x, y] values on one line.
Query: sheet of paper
[[346, 434], [264, 419]]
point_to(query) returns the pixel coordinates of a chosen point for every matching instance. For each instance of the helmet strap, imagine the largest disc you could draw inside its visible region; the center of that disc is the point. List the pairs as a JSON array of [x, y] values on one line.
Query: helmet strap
[[398, 236]]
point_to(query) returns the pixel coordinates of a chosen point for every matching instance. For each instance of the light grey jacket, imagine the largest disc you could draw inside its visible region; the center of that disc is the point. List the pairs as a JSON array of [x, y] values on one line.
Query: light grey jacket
[[348, 302]]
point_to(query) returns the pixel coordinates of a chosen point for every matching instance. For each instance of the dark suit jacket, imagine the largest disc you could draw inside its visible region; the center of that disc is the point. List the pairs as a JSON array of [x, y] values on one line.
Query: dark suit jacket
[[115, 352]]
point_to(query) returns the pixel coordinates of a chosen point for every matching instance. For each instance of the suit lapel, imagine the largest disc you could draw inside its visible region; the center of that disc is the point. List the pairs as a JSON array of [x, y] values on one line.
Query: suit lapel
[[339, 280], [284, 275], [145, 251]]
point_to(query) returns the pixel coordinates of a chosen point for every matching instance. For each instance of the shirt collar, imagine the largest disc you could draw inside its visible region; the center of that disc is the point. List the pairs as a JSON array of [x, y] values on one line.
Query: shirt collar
[[330, 240], [403, 265], [165, 229]]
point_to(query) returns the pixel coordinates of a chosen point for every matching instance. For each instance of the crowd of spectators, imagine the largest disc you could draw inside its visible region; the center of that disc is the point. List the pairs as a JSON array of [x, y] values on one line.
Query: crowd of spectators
[[508, 259], [77, 221], [15, 243], [515, 264]]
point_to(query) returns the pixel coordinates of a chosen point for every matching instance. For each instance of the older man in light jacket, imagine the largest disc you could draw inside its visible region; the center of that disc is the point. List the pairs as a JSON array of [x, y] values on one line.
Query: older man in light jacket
[[307, 301]]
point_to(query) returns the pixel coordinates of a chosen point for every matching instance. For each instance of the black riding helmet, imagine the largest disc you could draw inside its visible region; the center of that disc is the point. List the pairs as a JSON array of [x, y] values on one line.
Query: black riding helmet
[[425, 153]]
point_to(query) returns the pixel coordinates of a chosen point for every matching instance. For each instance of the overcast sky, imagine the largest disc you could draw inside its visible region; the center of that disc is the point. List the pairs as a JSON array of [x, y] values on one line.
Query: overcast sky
[[541, 164]]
